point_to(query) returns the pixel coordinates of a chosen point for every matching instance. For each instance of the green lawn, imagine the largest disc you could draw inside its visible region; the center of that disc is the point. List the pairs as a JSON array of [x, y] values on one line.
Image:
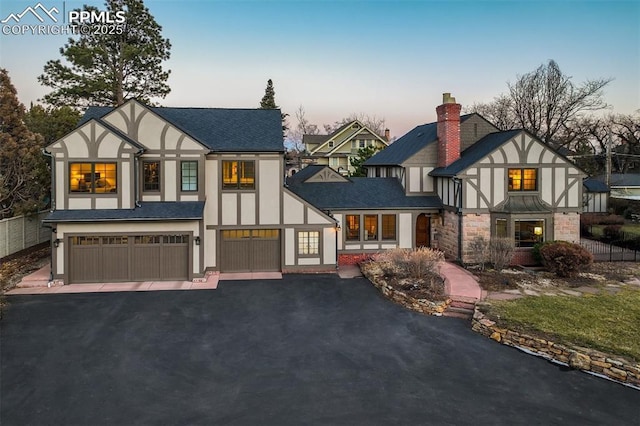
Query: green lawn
[[604, 322], [631, 228]]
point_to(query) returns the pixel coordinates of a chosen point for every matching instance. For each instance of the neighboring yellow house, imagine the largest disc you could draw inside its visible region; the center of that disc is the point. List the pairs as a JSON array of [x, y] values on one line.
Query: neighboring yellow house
[[336, 149]]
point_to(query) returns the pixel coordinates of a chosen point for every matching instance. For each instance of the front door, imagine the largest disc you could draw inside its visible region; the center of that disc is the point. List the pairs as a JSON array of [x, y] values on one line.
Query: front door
[[423, 231]]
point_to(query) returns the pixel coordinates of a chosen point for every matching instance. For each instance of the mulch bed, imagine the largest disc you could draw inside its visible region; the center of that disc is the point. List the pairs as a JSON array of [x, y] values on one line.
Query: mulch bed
[[16, 266], [429, 288]]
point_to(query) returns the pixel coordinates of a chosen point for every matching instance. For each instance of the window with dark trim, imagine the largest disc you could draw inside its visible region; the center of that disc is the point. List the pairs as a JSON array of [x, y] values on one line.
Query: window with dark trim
[[352, 227], [96, 178], [238, 175], [151, 176], [308, 242], [388, 226], [189, 176], [370, 227], [528, 233], [523, 179]]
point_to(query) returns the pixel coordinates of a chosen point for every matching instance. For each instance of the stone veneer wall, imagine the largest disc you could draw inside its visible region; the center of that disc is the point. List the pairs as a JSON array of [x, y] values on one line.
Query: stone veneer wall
[[620, 370], [446, 239], [474, 225], [566, 227]]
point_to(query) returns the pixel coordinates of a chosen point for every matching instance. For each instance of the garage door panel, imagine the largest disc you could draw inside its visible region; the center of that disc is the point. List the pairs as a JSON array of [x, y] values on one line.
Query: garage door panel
[[174, 261], [146, 262], [115, 263], [85, 264], [266, 255], [244, 250]]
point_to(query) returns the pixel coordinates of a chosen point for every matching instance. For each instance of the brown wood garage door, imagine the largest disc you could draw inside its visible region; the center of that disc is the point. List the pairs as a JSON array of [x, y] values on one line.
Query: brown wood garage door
[[95, 259], [250, 250]]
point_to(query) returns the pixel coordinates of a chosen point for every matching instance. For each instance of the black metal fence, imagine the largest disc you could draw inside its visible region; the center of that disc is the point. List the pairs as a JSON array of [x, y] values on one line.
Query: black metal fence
[[610, 252]]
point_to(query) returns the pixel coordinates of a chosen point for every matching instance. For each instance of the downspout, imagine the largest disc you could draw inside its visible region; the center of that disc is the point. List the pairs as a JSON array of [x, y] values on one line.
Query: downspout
[[458, 186], [52, 193], [136, 177]]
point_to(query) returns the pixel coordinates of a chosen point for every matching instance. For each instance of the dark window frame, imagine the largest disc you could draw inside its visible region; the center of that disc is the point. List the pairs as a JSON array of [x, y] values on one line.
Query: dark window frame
[[188, 176], [522, 181], [352, 234], [146, 186], [94, 181], [305, 244], [384, 227], [237, 184]]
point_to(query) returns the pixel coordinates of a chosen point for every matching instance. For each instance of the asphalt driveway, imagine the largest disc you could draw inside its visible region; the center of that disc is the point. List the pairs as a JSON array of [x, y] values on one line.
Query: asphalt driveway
[[305, 350]]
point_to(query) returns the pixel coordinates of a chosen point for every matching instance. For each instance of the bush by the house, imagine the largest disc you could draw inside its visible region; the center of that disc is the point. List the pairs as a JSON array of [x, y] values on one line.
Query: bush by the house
[[565, 259], [501, 252], [612, 232], [535, 251], [417, 264], [479, 249]]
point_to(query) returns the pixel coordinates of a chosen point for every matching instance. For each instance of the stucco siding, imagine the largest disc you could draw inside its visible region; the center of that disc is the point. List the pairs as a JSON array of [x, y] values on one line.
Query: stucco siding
[[414, 179], [270, 185], [79, 203], [293, 210], [229, 209], [248, 209], [290, 247], [170, 182], [405, 226], [329, 246], [211, 208]]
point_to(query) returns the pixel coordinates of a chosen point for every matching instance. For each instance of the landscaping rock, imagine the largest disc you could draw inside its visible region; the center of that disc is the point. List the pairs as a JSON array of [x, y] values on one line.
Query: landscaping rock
[[579, 361]]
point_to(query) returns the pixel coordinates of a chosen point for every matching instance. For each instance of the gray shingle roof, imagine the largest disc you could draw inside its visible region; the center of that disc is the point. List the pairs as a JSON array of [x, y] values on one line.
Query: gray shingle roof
[[595, 185], [522, 204], [408, 145], [476, 152], [359, 193], [405, 147], [621, 179], [220, 129], [149, 211]]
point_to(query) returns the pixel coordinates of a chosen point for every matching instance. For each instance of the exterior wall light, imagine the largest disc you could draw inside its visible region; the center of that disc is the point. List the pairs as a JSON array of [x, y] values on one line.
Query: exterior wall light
[[197, 240], [56, 243]]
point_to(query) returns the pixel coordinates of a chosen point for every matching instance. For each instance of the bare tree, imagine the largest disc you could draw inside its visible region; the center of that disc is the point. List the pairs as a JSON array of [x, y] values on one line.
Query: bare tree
[[626, 129], [499, 112], [303, 127], [375, 124], [546, 103], [545, 100]]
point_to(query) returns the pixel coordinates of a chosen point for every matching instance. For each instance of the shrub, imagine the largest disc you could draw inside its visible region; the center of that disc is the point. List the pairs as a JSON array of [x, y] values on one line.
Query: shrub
[[612, 232], [612, 219], [478, 247], [417, 264], [565, 259], [535, 251], [501, 252]]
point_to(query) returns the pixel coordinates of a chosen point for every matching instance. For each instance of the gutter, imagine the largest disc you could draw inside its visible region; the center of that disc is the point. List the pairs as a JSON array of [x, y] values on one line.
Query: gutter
[[136, 177], [52, 193]]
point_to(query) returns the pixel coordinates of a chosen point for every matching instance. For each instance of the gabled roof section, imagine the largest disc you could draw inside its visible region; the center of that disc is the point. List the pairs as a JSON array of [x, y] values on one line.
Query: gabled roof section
[[107, 126], [318, 173], [346, 130], [621, 179], [405, 147], [360, 193], [219, 129], [476, 152], [148, 211]]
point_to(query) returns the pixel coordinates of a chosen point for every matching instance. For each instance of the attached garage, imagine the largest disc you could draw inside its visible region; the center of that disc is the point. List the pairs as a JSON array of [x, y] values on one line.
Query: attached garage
[[250, 250], [128, 258]]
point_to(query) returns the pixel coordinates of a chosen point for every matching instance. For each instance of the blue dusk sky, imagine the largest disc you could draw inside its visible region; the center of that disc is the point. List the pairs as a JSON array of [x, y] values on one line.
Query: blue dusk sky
[[389, 59]]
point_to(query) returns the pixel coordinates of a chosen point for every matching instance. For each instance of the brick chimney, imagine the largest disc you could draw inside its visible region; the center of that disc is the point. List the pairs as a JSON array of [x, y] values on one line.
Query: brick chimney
[[386, 134], [448, 130]]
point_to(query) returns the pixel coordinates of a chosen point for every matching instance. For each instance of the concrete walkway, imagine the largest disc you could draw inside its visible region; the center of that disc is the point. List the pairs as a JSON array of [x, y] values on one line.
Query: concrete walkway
[[38, 283], [459, 283]]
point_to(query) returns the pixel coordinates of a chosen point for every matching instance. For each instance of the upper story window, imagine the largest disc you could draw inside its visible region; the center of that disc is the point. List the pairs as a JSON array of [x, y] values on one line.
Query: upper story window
[[362, 143], [331, 144], [238, 175], [96, 178], [189, 176], [523, 179], [151, 176]]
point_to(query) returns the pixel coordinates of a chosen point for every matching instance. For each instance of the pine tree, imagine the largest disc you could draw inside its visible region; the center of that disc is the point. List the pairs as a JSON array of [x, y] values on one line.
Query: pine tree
[[357, 162], [269, 99], [269, 102], [108, 69], [24, 175], [51, 123]]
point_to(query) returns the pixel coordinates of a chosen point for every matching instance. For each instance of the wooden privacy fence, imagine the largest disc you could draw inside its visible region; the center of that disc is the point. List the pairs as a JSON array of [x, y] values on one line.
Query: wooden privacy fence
[[21, 232]]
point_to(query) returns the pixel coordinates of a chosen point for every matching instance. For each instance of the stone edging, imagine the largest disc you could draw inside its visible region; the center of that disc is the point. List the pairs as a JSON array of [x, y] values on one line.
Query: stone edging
[[588, 360], [419, 305]]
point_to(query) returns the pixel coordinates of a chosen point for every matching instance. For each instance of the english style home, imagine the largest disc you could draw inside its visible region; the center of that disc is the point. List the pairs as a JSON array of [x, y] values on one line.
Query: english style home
[[147, 193], [143, 193]]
